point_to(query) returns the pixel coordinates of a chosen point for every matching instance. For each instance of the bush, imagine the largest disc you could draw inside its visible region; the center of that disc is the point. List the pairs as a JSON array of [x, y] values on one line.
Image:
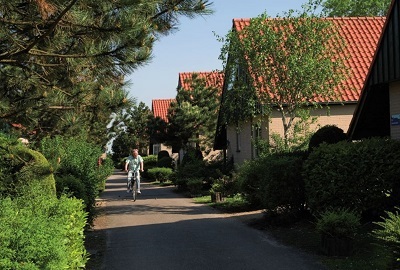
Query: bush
[[165, 162], [194, 169], [71, 186], [20, 165], [389, 230], [195, 186], [160, 174], [78, 158], [162, 154], [39, 231], [329, 134], [363, 176], [339, 223], [274, 181]]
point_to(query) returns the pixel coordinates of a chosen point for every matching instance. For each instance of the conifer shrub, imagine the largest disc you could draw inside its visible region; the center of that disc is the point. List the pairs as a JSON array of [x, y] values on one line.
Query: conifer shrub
[[363, 176], [389, 230], [162, 154], [165, 162], [329, 134]]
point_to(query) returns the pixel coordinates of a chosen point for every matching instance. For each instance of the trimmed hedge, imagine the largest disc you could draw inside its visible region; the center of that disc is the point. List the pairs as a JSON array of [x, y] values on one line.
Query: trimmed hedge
[[160, 174], [363, 176], [39, 231], [274, 182]]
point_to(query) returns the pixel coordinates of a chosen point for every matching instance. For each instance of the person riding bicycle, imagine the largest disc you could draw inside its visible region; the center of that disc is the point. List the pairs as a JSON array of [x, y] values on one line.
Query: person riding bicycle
[[134, 164]]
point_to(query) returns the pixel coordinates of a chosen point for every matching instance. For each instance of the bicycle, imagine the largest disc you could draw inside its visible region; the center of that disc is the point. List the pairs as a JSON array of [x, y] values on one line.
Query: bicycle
[[132, 183]]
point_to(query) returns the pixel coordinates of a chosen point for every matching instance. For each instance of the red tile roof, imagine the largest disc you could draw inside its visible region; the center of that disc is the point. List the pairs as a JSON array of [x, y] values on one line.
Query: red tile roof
[[213, 79], [361, 35], [160, 107]]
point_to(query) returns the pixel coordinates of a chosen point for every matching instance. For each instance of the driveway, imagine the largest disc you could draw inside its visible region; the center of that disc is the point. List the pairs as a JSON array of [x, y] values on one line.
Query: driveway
[[163, 230]]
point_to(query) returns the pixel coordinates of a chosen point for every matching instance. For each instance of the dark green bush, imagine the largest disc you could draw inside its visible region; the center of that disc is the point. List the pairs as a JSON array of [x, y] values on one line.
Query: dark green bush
[[162, 154], [363, 176], [195, 186], [194, 169], [338, 223], [39, 231], [160, 174], [165, 162], [72, 186], [329, 134], [274, 181], [20, 165]]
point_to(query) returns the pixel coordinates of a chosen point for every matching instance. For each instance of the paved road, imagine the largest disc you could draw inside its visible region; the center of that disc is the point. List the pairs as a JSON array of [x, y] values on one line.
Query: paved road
[[163, 230]]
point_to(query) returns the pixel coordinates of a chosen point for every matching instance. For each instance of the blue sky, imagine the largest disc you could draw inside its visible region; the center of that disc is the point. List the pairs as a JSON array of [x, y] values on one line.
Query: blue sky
[[194, 46]]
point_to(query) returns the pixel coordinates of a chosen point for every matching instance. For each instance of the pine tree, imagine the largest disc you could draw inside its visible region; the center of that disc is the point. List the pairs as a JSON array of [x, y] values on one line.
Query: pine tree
[[62, 63]]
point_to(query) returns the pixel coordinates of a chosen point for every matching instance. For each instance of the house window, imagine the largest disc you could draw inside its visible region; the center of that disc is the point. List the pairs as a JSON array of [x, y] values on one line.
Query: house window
[[238, 146], [256, 132], [156, 149]]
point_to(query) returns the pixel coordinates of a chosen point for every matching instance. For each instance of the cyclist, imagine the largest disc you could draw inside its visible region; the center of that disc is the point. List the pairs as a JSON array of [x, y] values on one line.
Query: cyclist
[[134, 164]]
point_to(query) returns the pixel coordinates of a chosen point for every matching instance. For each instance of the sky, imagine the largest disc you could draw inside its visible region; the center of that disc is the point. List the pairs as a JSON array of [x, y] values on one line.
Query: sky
[[194, 47]]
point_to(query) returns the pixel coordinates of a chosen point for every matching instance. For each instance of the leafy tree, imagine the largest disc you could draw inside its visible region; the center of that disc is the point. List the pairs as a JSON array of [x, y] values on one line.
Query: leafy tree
[[192, 117], [131, 125], [354, 8], [62, 63], [284, 69]]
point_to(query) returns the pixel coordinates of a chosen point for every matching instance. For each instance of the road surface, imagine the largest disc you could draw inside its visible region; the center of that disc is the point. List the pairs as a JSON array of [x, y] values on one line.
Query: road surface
[[164, 230]]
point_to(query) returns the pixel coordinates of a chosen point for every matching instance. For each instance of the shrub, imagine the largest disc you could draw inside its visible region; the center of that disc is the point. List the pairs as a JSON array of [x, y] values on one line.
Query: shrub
[[274, 181], [72, 186], [363, 176], [20, 165], [40, 231], [165, 162], [339, 223], [195, 185], [162, 154], [389, 230], [160, 174], [194, 169], [78, 158], [329, 134]]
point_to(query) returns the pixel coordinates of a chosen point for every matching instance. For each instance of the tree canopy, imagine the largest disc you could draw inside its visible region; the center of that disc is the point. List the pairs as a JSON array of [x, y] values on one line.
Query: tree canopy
[[62, 63], [354, 8]]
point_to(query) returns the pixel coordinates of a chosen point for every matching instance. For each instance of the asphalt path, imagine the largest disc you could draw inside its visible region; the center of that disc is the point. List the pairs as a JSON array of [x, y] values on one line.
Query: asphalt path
[[164, 230]]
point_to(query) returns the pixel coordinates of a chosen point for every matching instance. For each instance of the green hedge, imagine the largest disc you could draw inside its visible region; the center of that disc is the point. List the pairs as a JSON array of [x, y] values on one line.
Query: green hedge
[[363, 176], [39, 231], [160, 174], [274, 181]]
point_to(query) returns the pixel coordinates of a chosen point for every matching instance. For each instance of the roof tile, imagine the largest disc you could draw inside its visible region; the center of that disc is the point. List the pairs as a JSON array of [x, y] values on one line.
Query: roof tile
[[160, 107]]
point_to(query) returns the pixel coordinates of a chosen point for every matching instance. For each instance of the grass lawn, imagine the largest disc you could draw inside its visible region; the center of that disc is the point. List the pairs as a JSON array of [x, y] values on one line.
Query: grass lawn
[[369, 253]]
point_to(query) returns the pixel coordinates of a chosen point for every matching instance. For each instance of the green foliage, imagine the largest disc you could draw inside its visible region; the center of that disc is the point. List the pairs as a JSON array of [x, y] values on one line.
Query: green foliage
[[340, 223], [160, 174], [363, 176], [150, 161], [195, 185], [71, 186], [20, 166], [329, 134], [40, 231], [162, 154], [121, 148], [193, 116], [389, 230], [274, 181], [68, 79], [165, 162], [79, 159], [355, 8], [192, 169]]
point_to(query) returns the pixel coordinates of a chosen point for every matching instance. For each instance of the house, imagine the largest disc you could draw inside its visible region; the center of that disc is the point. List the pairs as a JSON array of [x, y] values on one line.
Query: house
[[361, 34], [160, 106], [378, 110]]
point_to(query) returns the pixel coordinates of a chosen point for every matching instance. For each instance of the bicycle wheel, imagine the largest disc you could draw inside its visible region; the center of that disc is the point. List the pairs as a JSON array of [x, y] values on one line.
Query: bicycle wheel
[[134, 191]]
